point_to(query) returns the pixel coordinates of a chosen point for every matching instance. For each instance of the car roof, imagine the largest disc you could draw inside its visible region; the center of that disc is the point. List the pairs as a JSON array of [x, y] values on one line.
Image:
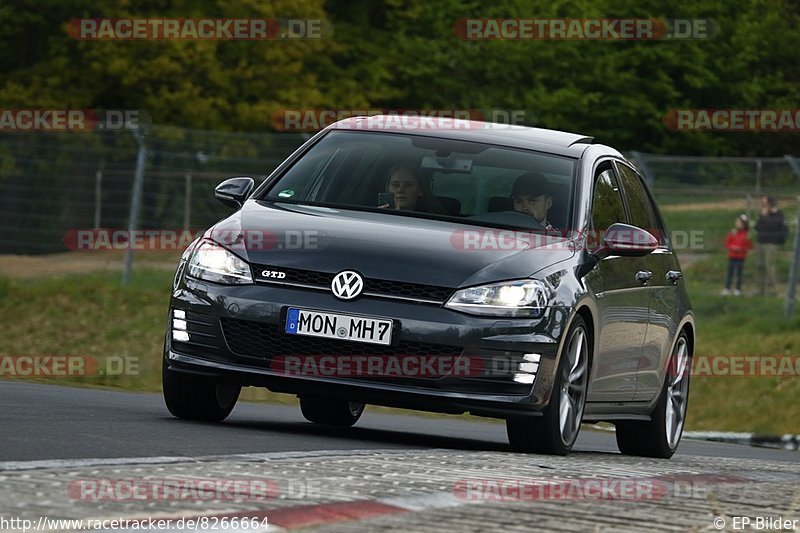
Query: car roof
[[539, 139]]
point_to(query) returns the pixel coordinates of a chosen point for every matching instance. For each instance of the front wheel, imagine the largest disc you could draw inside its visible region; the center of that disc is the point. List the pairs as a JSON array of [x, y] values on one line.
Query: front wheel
[[196, 397], [331, 411], [660, 436], [557, 430]]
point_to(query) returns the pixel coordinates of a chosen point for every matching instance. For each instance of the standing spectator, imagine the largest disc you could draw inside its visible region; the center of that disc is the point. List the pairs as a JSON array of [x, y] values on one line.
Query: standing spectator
[[772, 233], [738, 244]]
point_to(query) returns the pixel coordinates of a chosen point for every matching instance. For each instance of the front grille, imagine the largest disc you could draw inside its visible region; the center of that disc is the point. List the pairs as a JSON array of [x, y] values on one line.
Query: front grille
[[372, 287], [414, 291], [298, 276], [265, 341]]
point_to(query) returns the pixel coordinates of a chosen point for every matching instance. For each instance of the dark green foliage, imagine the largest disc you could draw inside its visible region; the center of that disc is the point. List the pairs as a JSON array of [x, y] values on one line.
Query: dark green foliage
[[404, 54]]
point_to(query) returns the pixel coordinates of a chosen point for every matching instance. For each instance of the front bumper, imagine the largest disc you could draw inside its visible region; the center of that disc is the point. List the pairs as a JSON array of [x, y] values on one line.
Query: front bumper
[[236, 332]]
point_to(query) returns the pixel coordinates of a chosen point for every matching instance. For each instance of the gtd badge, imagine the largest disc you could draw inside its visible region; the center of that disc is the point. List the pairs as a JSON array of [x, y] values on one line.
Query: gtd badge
[[273, 274], [347, 284]]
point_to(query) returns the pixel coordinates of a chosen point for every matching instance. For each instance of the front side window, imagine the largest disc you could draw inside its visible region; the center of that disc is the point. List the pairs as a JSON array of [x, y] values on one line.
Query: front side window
[[642, 211], [607, 206], [412, 175]]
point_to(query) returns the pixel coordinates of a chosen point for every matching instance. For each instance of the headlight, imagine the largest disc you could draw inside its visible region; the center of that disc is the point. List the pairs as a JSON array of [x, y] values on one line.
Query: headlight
[[524, 298], [176, 280], [212, 262]]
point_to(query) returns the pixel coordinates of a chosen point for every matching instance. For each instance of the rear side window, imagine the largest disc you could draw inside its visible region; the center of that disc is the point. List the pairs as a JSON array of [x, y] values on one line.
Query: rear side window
[[642, 211]]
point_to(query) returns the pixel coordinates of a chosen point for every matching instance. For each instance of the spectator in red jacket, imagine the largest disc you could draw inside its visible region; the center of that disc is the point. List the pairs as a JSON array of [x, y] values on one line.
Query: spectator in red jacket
[[738, 244]]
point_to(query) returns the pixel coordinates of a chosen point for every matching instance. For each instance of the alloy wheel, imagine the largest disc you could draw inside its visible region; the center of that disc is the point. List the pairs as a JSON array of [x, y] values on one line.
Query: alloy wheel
[[677, 392], [573, 386]]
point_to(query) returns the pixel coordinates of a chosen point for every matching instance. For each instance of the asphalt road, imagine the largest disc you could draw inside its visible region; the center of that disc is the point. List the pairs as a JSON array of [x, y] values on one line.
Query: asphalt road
[[46, 422]]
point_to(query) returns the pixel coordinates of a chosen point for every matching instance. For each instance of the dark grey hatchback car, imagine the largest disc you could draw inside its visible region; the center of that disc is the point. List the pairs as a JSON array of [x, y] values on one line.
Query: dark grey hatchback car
[[503, 271]]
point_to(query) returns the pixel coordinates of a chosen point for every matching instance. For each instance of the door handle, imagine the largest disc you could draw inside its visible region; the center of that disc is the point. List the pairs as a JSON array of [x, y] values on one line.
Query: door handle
[[674, 276], [644, 276]]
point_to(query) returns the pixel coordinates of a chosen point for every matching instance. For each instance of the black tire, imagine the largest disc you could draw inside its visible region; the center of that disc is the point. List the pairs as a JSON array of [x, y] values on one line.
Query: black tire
[[196, 397], [330, 411], [544, 434], [652, 438]]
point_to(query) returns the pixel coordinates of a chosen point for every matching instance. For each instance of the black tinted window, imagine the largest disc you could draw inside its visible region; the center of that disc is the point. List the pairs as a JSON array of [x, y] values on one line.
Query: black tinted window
[[641, 210], [607, 207]]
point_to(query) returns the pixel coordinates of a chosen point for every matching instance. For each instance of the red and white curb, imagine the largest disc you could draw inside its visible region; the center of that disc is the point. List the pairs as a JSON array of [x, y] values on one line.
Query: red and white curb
[[279, 519], [293, 517], [781, 442], [303, 516]]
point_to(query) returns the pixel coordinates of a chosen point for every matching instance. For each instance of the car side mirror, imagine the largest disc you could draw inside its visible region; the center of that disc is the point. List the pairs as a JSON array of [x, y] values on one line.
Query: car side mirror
[[626, 241], [234, 191]]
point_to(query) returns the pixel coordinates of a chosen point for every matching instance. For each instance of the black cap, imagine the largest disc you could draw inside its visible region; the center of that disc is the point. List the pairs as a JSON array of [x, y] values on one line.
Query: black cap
[[532, 184]]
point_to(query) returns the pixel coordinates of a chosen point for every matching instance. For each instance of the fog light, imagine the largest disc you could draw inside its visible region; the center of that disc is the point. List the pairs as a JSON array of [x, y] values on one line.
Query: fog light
[[532, 357], [530, 368], [525, 379], [177, 313], [181, 336], [179, 324]]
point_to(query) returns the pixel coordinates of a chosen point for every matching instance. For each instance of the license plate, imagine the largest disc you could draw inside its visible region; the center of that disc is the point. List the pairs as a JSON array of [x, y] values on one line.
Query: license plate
[[336, 326]]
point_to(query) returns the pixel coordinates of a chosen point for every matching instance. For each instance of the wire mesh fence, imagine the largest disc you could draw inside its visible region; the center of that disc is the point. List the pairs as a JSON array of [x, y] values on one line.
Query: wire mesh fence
[[704, 179], [54, 183]]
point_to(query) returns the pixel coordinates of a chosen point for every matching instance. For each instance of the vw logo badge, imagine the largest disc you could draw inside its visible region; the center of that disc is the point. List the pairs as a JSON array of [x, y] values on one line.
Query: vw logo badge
[[347, 284]]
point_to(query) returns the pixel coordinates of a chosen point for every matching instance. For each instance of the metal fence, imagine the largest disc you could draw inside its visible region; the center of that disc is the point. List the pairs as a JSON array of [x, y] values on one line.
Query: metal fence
[[721, 178], [52, 183]]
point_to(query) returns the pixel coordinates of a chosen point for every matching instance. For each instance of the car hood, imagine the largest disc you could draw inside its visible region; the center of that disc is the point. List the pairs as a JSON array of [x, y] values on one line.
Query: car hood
[[383, 245]]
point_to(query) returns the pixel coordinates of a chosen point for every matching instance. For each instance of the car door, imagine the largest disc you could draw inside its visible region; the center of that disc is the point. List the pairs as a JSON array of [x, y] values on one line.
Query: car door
[[663, 266], [623, 300]]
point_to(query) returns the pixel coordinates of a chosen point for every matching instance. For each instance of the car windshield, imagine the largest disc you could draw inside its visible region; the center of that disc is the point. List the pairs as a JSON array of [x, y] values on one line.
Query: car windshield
[[429, 177]]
